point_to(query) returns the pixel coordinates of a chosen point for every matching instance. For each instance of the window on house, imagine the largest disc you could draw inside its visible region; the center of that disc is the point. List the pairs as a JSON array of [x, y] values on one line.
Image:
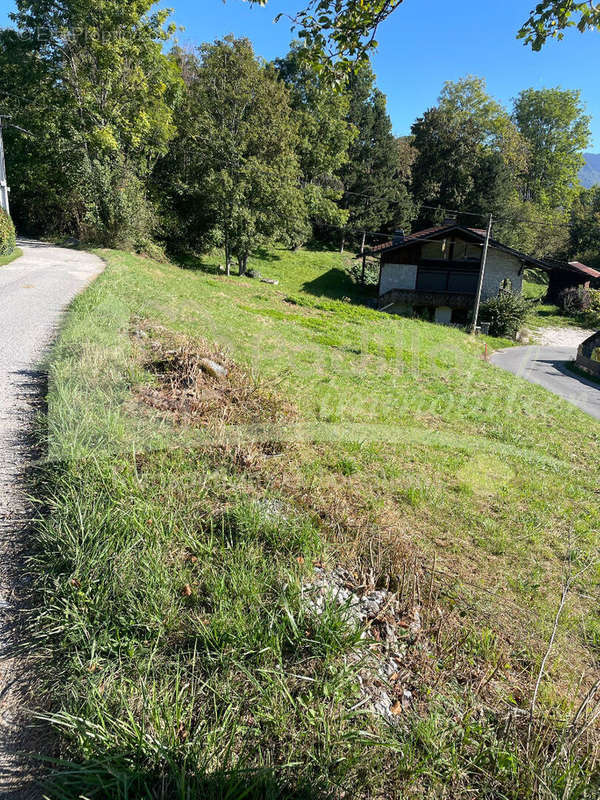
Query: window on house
[[432, 280], [465, 251], [444, 280], [435, 251], [463, 282]]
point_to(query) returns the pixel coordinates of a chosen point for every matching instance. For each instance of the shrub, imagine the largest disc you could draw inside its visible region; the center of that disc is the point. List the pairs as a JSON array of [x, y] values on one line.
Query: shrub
[[506, 313], [371, 273], [575, 300], [7, 234], [119, 213]]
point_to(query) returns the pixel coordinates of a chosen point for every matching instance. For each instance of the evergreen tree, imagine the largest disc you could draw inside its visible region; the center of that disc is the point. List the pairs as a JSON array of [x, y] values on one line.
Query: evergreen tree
[[376, 176]]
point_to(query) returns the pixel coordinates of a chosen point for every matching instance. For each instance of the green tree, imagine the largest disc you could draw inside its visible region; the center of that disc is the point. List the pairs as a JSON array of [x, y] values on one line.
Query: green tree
[[551, 18], [557, 131], [585, 226], [469, 153], [102, 94], [377, 174], [324, 135], [237, 176]]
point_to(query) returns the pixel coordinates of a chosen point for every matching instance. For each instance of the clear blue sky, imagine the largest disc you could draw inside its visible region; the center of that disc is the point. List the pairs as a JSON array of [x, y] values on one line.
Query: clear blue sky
[[425, 43]]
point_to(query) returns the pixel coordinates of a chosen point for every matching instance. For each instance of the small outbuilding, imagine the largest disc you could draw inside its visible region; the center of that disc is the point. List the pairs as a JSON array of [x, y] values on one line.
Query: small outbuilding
[[573, 275]]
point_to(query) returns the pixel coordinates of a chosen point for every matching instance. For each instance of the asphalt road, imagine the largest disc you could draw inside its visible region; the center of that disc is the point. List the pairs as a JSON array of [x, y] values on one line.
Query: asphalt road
[[34, 291], [546, 366]]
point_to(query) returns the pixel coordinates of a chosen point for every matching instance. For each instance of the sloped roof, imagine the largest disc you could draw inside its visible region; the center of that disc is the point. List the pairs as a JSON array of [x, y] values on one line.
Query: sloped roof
[[478, 235], [576, 265]]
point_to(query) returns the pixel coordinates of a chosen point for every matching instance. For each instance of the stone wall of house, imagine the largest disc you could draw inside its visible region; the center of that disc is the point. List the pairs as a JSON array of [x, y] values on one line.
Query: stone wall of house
[[499, 267], [398, 276], [588, 355]]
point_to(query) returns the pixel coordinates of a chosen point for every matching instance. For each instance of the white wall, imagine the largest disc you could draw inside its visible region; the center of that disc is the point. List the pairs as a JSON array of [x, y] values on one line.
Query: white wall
[[398, 276], [500, 266]]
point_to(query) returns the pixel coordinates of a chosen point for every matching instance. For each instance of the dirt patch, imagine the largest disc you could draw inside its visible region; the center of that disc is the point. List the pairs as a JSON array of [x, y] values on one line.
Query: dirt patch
[[199, 384]]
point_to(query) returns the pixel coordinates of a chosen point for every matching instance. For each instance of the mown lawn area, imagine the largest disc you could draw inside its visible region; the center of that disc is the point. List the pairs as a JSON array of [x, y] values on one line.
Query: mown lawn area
[[180, 656]]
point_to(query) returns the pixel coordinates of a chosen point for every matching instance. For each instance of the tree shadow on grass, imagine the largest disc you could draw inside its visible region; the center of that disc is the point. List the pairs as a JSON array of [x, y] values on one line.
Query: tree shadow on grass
[[337, 284], [323, 246], [265, 254], [195, 263], [105, 778]]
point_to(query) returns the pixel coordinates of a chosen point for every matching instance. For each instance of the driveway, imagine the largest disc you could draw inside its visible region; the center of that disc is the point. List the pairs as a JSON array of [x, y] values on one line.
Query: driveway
[[34, 291], [546, 366]]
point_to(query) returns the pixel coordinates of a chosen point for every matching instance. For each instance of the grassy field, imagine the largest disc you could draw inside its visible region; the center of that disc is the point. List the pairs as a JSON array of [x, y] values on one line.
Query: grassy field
[[178, 531], [16, 253]]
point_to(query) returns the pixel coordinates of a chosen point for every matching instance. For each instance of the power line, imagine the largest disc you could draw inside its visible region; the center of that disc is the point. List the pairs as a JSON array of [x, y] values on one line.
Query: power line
[[462, 212]]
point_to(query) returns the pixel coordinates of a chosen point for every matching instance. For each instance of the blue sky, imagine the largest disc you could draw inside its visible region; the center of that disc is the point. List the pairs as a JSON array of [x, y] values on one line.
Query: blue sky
[[425, 43]]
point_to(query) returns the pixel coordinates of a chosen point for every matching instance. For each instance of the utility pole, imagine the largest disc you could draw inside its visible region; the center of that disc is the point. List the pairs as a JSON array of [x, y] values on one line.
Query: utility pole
[[486, 247], [3, 185], [363, 253]]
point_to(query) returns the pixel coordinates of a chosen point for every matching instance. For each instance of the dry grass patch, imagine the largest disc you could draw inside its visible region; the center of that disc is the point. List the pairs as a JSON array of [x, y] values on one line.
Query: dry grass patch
[[199, 384]]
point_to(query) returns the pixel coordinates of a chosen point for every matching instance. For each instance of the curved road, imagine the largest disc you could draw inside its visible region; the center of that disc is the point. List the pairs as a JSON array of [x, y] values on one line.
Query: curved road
[[34, 291], [546, 366]]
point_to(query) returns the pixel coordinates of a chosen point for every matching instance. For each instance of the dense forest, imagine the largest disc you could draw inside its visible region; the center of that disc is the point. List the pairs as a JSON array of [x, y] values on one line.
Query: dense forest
[[126, 139]]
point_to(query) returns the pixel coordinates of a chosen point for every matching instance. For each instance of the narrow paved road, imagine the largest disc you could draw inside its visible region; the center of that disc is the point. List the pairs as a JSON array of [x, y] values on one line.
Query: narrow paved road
[[34, 291], [546, 366]]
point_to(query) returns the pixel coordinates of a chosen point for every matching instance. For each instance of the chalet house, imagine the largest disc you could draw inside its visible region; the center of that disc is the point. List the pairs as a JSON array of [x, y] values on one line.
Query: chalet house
[[435, 272]]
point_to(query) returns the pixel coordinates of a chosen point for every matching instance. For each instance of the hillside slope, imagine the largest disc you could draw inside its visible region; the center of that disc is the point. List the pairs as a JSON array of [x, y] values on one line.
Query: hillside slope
[[187, 519]]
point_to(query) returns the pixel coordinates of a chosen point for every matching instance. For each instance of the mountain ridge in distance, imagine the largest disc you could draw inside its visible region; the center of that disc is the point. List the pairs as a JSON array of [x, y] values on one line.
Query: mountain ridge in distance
[[589, 174]]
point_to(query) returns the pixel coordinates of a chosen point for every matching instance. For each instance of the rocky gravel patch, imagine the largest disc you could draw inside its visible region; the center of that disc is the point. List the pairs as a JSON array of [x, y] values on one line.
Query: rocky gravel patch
[[562, 337], [386, 685]]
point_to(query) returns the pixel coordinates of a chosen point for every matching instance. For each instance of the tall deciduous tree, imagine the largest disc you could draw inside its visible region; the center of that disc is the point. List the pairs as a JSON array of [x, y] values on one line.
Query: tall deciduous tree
[[238, 180], [324, 135], [557, 131], [101, 110], [469, 153]]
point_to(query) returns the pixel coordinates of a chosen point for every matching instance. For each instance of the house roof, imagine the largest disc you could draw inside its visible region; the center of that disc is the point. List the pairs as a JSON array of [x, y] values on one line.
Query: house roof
[[576, 265], [478, 235]]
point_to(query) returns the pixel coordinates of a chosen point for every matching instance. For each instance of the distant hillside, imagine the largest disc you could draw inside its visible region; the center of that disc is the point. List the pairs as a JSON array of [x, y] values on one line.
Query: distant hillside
[[590, 173]]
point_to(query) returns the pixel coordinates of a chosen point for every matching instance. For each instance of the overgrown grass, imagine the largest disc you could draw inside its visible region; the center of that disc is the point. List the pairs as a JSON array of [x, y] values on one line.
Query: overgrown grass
[[178, 653], [16, 253]]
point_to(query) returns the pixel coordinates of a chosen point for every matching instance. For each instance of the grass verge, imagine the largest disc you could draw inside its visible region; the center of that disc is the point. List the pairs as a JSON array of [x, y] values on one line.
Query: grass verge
[[181, 521], [16, 253]]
